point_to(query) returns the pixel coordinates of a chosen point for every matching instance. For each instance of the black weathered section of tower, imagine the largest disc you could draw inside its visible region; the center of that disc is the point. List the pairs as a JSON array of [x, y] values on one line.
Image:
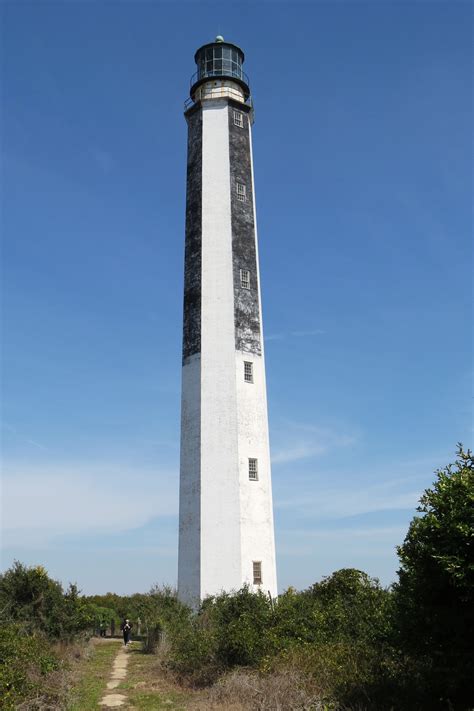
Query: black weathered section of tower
[[226, 537], [244, 254], [192, 259]]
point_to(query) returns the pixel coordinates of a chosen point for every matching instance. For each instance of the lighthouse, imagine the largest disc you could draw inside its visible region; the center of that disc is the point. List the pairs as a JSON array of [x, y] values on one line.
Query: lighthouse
[[226, 534]]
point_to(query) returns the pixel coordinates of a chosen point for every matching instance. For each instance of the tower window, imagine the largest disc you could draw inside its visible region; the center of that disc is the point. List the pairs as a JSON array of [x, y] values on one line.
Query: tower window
[[241, 192], [257, 572], [245, 279], [248, 372], [238, 119], [253, 469]]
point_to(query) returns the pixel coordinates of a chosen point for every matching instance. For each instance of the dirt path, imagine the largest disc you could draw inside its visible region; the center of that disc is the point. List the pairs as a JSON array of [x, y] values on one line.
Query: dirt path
[[119, 673], [115, 676]]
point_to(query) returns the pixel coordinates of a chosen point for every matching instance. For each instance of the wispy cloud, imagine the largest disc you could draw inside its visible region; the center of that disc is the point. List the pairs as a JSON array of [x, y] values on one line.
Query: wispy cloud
[[42, 503], [103, 160], [294, 452], [304, 441], [275, 337], [37, 444], [310, 332], [17, 435], [304, 542], [294, 334], [347, 499], [362, 532], [8, 428]]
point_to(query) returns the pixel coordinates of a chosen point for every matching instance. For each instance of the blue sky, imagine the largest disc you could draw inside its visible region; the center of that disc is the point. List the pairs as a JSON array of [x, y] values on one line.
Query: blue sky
[[362, 148]]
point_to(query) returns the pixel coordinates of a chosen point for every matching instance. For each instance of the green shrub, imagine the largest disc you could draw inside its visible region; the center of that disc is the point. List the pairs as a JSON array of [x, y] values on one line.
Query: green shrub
[[349, 605], [435, 593], [152, 638], [343, 643], [336, 634], [230, 630], [192, 651], [149, 611], [241, 622], [29, 596], [25, 661]]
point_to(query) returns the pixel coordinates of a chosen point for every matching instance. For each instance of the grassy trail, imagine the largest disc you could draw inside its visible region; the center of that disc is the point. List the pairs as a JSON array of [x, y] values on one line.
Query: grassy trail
[[144, 688], [92, 676], [147, 689]]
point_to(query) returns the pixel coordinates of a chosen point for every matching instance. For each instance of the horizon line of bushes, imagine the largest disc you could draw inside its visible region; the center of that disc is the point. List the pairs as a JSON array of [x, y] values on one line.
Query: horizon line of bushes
[[346, 640]]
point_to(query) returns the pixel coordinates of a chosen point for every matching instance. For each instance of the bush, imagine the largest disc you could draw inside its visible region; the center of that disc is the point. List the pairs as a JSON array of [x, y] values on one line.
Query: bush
[[147, 611], [350, 606], [192, 651], [35, 615], [240, 622], [345, 642], [153, 638], [29, 596], [435, 592], [25, 661]]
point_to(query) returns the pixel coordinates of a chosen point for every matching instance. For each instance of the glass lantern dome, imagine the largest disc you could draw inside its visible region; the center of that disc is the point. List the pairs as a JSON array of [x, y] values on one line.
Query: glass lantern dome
[[221, 60]]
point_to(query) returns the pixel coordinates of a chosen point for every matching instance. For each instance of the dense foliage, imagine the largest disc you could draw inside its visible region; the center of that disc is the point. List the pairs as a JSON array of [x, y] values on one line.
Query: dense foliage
[[336, 632], [149, 612], [345, 641], [25, 662], [36, 614], [409, 647], [435, 592], [30, 597]]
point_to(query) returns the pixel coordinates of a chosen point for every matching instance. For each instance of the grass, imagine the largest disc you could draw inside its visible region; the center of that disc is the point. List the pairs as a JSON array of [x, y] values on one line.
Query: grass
[[93, 673], [146, 687]]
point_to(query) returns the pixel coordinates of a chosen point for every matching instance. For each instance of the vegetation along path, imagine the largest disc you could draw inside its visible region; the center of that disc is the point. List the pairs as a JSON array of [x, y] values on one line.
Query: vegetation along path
[[117, 676]]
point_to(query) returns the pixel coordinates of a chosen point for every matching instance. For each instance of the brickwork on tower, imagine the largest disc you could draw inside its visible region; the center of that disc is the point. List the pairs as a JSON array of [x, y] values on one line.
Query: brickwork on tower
[[193, 258], [246, 308]]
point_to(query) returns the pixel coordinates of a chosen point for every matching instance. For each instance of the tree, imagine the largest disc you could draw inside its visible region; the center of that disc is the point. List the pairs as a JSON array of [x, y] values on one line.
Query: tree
[[240, 621], [30, 596], [352, 606], [435, 592]]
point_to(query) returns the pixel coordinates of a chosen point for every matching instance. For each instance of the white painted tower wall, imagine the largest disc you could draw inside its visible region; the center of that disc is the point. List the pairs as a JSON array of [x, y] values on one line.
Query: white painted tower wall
[[226, 520]]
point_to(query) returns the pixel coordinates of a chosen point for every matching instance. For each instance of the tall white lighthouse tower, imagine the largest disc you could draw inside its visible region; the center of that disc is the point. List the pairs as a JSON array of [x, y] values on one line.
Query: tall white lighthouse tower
[[226, 534]]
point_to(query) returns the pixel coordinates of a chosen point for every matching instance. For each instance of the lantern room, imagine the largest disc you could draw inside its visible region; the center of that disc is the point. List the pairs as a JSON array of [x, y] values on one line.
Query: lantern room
[[219, 70]]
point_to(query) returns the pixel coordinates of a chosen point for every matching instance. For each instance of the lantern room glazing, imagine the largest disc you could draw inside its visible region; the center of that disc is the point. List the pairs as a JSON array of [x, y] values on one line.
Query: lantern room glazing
[[221, 60]]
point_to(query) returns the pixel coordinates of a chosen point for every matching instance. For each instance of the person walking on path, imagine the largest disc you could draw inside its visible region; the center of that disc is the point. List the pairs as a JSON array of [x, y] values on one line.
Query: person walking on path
[[127, 630]]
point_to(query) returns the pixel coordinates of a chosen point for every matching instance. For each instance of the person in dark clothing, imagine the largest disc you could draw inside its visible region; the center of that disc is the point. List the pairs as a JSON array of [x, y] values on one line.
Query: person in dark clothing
[[127, 630]]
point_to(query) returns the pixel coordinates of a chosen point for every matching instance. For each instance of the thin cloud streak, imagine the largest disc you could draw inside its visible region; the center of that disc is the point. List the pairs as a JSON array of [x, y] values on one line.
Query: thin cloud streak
[[306, 543], [305, 334], [103, 160], [293, 453], [323, 439], [13, 431], [37, 444], [295, 334], [376, 532], [348, 501], [42, 503]]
